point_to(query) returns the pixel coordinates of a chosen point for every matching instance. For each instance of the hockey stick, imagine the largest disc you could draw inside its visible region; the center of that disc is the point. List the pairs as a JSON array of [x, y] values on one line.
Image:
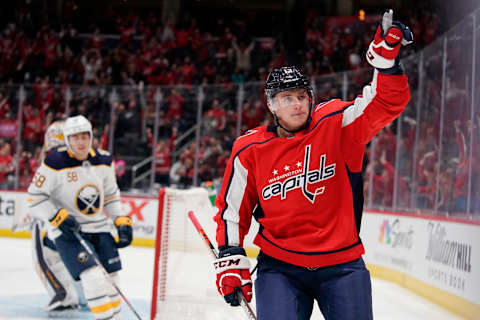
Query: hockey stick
[[243, 302], [107, 276]]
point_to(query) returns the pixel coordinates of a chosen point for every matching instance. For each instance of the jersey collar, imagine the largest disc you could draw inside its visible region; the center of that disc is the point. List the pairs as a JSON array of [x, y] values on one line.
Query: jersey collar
[[91, 152]]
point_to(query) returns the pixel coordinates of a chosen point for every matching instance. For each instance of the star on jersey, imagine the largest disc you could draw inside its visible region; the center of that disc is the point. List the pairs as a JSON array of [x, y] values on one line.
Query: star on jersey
[[299, 164], [275, 172], [286, 168], [302, 180]]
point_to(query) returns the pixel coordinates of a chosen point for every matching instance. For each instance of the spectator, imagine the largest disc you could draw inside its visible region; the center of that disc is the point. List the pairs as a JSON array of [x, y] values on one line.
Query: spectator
[[243, 56], [215, 119], [181, 172], [33, 130], [163, 158], [4, 105], [175, 103], [92, 62], [6, 165], [8, 127]]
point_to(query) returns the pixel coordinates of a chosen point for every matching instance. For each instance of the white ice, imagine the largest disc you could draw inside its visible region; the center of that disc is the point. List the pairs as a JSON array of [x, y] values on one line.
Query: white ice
[[190, 283]]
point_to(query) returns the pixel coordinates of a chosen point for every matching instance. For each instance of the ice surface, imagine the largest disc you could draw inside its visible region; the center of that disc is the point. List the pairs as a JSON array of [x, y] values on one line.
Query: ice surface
[[190, 282]]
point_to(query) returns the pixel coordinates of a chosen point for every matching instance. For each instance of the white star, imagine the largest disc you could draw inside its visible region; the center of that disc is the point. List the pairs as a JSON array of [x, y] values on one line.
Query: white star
[[299, 164], [275, 172], [286, 168]]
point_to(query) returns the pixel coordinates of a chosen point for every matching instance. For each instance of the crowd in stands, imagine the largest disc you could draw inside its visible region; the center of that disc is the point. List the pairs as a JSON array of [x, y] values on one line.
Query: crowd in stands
[[118, 80]]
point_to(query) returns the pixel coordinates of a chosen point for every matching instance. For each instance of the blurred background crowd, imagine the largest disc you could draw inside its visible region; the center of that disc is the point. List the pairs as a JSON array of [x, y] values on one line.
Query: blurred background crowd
[[169, 85]]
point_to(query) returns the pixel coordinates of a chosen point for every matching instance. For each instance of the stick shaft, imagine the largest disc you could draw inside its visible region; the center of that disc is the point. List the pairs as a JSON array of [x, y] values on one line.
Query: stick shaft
[[243, 302], [107, 276]]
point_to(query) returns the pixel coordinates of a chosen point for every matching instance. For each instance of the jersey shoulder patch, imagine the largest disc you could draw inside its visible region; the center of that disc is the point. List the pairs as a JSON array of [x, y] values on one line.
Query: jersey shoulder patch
[[99, 157]]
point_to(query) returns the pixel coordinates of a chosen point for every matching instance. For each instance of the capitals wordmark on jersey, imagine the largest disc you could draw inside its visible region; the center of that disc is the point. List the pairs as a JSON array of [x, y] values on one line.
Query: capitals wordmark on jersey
[[301, 179]]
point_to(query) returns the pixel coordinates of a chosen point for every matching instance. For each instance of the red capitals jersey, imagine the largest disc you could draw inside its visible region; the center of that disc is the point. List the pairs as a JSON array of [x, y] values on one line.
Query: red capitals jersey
[[305, 191]]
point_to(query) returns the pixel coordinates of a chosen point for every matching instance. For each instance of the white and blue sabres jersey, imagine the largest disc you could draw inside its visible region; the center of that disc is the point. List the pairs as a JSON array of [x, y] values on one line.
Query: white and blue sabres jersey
[[84, 188]]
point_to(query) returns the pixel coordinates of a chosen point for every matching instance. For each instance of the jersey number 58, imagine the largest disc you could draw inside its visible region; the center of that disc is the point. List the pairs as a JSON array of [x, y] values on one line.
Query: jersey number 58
[[38, 180]]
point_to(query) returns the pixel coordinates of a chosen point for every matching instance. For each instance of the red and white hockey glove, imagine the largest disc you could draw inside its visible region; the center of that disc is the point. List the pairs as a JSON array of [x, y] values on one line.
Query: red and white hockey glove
[[389, 38], [233, 271]]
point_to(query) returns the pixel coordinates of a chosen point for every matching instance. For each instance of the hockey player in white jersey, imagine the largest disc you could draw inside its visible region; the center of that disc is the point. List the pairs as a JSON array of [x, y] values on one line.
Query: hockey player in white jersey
[[48, 264], [75, 190]]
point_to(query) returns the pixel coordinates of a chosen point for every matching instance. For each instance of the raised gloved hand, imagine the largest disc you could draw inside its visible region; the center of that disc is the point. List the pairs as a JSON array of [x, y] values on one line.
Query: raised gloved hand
[[124, 226], [65, 222], [383, 50], [233, 271]]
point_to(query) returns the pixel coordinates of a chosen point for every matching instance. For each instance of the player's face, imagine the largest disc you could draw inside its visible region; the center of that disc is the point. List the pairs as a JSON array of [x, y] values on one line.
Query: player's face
[[292, 108], [80, 144]]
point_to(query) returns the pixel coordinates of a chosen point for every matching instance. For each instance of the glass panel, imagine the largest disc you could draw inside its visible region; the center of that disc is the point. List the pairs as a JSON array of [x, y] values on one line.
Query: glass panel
[[405, 158], [454, 156], [219, 128], [428, 124], [131, 143], [475, 165], [254, 107], [43, 103], [327, 87], [356, 80], [177, 119]]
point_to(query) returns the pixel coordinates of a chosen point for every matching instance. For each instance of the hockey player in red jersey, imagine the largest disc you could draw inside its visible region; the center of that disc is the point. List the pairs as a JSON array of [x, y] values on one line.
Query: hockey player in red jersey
[[301, 180]]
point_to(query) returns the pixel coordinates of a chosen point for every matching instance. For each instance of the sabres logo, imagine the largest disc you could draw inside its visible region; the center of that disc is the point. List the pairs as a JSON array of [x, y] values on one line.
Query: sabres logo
[[88, 199], [82, 257]]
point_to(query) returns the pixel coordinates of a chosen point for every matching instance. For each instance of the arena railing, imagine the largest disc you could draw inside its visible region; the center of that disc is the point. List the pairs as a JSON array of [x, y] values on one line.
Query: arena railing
[[426, 162]]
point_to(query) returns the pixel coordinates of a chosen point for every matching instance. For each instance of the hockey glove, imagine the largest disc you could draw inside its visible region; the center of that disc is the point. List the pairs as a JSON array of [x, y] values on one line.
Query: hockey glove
[[65, 222], [383, 50], [233, 271], [124, 226]]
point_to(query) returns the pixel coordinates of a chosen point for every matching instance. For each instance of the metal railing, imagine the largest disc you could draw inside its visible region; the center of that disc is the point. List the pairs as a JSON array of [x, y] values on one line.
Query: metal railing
[[433, 147]]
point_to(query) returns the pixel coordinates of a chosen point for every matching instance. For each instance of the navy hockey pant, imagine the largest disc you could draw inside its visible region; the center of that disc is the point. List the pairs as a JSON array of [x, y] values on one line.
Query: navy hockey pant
[[77, 260], [287, 292]]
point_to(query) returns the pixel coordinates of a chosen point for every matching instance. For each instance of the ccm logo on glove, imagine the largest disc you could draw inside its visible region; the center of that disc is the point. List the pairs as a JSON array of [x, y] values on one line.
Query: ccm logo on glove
[[227, 263]]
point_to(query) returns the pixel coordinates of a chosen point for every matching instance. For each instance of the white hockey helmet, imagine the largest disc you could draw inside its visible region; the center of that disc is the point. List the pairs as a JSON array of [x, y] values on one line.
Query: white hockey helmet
[[53, 136], [75, 125]]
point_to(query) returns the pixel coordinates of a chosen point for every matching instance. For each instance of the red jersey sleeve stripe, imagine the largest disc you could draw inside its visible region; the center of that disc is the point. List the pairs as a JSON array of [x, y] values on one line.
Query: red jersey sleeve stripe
[[232, 200]]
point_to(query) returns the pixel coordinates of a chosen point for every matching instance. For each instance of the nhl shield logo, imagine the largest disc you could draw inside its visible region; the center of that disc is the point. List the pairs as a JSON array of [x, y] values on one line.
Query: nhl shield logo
[[88, 199]]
